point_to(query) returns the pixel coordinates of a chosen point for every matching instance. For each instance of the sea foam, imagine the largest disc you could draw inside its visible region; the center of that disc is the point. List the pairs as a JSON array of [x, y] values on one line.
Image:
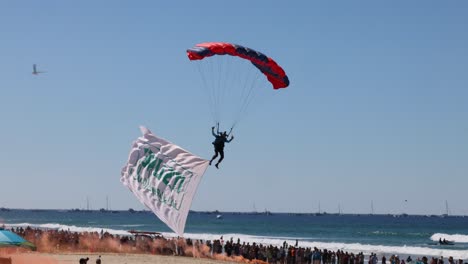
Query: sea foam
[[459, 238], [71, 228]]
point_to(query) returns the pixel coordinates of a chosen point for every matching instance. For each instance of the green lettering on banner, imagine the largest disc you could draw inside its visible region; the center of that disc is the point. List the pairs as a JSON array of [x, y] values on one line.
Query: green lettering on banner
[[178, 178], [168, 176], [152, 166], [157, 167], [145, 161], [157, 172]]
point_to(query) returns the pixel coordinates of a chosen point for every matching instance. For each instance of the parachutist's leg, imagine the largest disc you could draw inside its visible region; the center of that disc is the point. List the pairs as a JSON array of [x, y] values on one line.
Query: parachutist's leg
[[221, 152], [214, 157]]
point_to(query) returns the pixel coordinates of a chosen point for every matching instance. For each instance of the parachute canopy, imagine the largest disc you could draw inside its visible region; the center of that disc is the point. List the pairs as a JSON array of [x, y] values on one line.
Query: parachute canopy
[[274, 73], [231, 83]]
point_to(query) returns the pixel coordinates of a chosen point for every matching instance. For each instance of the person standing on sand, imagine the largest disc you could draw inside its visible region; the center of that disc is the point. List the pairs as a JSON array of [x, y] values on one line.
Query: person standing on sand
[[441, 260], [98, 261], [450, 260], [84, 260]]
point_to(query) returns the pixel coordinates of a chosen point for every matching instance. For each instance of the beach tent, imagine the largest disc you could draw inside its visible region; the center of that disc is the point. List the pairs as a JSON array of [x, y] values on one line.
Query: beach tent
[[10, 239]]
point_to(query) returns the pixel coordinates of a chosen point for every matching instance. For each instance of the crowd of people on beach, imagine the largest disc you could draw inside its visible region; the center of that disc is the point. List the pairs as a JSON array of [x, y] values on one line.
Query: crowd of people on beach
[[53, 241]]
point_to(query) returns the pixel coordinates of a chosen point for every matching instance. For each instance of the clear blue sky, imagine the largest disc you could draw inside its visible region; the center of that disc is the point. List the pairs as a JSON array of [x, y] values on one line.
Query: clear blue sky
[[377, 107]]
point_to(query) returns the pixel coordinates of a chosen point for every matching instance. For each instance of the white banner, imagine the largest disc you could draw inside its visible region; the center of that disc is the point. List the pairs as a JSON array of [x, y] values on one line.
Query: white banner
[[164, 177]]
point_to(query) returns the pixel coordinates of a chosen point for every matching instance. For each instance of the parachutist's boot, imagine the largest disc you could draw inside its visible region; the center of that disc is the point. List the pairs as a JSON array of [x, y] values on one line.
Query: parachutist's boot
[[217, 165], [210, 162]]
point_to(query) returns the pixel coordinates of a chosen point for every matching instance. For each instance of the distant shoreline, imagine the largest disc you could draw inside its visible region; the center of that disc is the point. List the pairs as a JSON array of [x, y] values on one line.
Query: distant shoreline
[[4, 209]]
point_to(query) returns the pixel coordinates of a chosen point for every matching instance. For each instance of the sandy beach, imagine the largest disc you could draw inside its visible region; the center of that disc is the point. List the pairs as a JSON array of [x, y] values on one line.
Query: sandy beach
[[114, 258]]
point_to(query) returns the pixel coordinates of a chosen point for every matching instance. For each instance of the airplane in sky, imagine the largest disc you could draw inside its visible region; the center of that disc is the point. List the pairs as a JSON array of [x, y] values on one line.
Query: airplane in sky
[[35, 72]]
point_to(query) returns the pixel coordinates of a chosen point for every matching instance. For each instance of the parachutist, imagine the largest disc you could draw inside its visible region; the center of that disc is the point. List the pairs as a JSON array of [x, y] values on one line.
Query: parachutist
[[220, 139]]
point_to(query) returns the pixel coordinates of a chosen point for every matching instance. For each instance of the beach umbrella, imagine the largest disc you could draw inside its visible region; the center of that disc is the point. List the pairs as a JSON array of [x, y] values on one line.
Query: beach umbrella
[[10, 239]]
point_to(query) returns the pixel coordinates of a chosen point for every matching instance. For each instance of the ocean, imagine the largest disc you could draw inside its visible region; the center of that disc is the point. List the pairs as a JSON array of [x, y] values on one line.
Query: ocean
[[382, 234]]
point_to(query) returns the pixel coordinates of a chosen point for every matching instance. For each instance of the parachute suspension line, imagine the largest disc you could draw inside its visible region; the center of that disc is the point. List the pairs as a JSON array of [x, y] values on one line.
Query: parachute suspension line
[[209, 68], [226, 90], [247, 96], [210, 89], [223, 87], [214, 90], [218, 89], [227, 85], [206, 89], [250, 97], [244, 83], [230, 131]]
